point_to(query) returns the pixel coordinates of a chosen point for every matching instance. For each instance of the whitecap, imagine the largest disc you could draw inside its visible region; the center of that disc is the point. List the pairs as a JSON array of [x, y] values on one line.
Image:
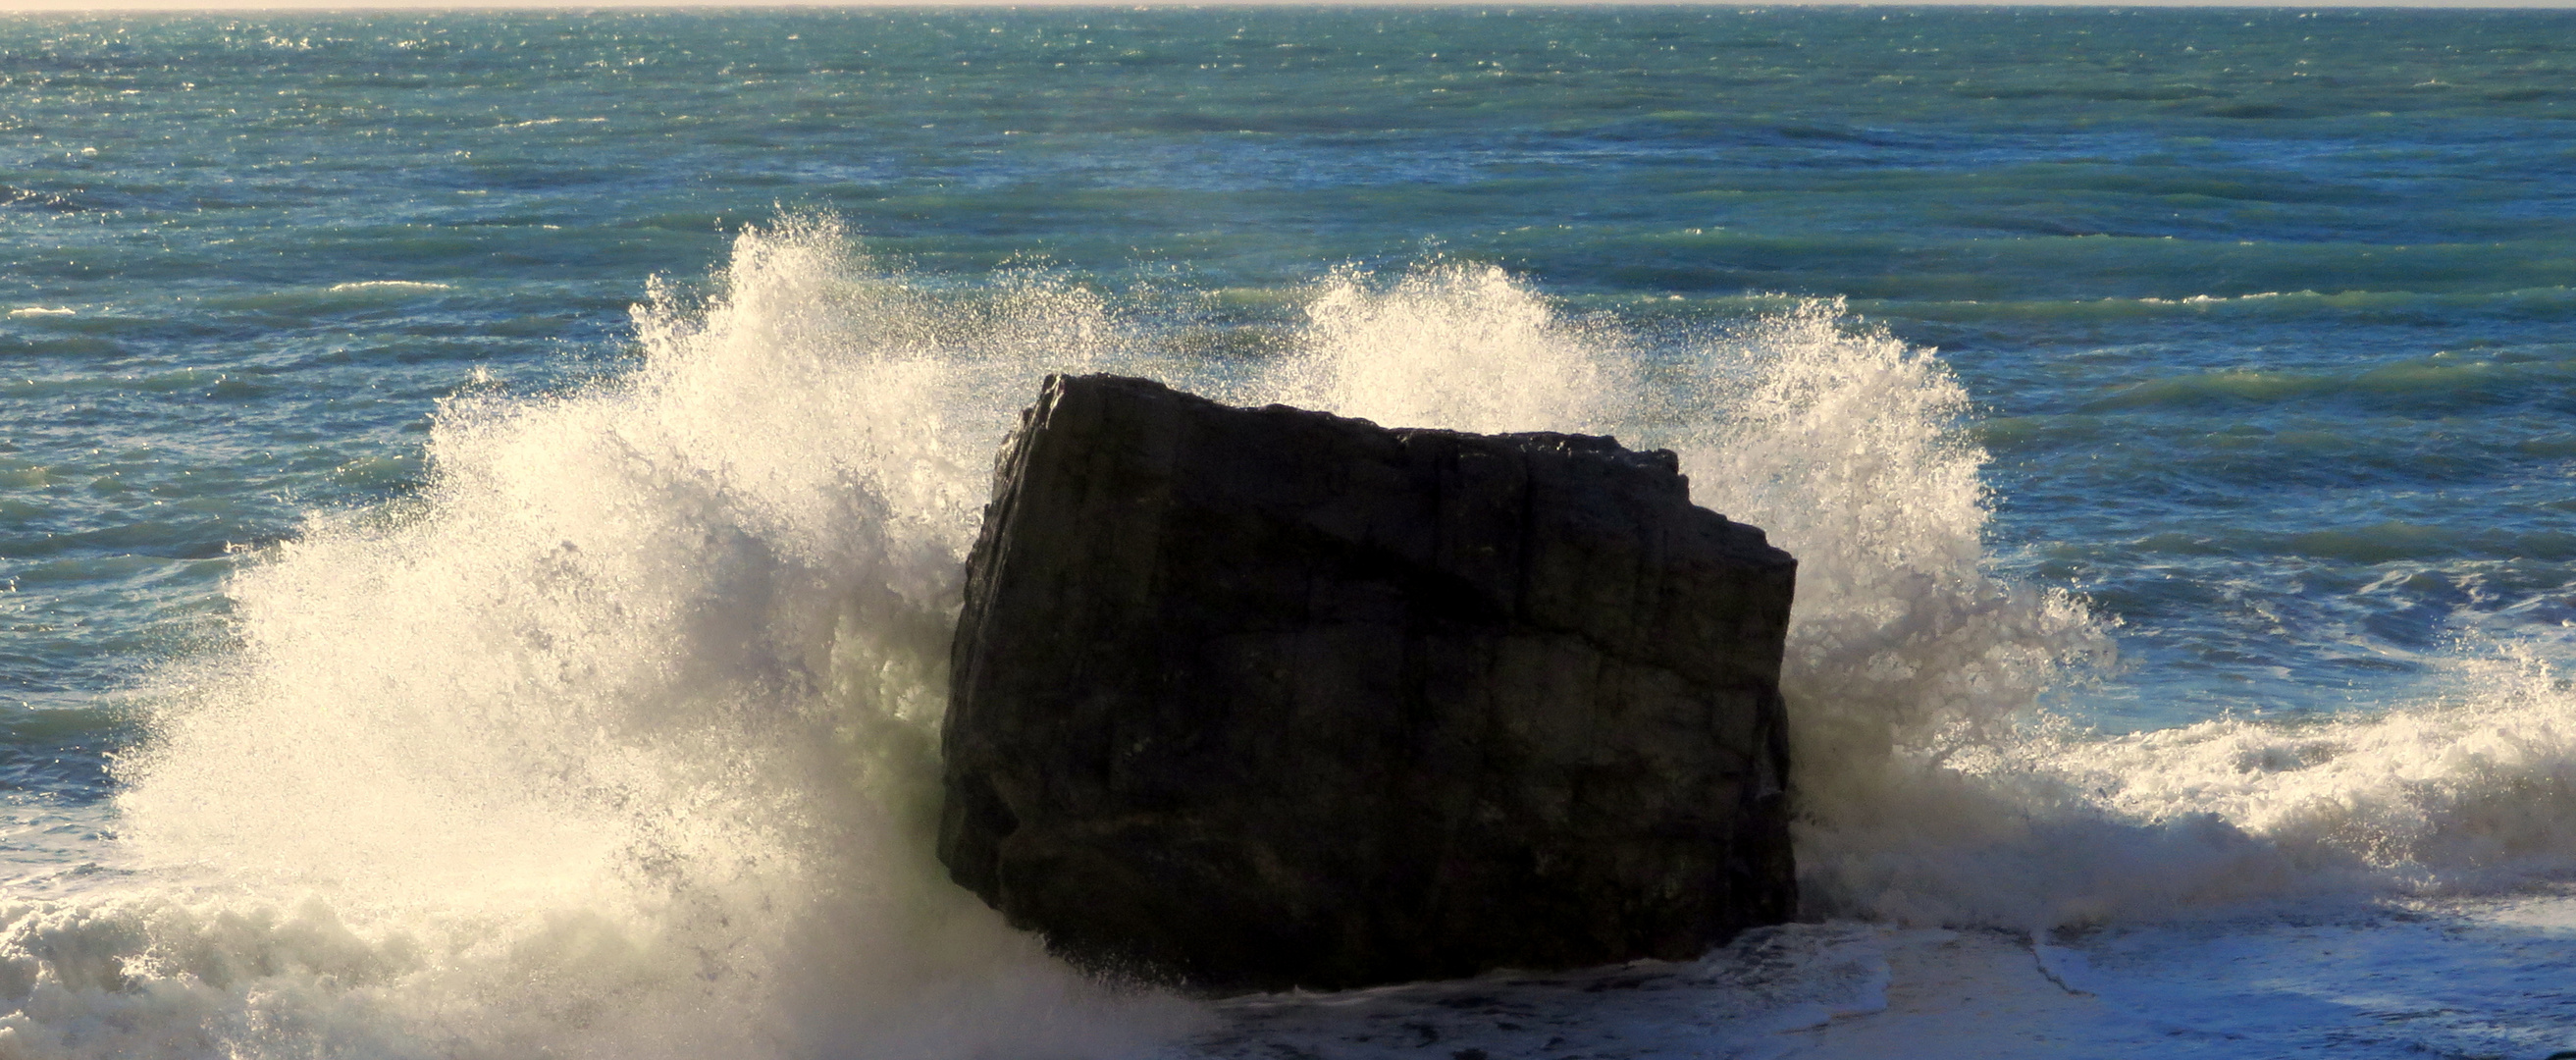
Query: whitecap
[[390, 285]]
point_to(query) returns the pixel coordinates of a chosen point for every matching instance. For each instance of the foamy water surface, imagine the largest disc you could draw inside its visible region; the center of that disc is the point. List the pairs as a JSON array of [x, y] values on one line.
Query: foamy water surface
[[480, 536]]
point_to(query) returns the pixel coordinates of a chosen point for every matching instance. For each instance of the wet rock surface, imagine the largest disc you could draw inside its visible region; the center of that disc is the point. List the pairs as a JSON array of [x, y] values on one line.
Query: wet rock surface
[[1256, 698]]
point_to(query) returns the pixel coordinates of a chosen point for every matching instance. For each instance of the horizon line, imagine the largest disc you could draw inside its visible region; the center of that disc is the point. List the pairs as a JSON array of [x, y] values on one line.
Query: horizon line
[[115, 7]]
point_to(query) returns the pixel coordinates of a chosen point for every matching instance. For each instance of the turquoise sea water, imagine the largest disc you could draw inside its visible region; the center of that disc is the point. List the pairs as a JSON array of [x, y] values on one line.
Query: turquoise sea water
[[2264, 319]]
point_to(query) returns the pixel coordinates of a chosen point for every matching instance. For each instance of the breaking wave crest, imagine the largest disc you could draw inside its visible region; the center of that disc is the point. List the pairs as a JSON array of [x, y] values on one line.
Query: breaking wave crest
[[619, 738], [1934, 786]]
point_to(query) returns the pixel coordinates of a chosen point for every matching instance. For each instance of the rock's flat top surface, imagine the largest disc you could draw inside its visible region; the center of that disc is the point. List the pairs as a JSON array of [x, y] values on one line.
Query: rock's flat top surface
[[1267, 697]]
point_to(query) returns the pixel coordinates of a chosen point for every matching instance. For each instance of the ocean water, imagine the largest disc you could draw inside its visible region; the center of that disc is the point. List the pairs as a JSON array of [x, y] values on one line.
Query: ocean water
[[482, 497]]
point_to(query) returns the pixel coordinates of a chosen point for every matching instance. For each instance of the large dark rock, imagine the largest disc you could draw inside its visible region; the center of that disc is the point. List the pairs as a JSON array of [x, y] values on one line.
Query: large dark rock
[[1266, 697]]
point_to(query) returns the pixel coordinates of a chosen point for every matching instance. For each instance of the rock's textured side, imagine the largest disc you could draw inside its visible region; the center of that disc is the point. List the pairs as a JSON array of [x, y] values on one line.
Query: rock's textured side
[[1266, 697]]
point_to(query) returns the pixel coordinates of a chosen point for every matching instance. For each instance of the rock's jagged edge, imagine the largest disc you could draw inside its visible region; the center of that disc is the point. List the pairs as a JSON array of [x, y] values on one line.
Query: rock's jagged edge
[[1257, 698]]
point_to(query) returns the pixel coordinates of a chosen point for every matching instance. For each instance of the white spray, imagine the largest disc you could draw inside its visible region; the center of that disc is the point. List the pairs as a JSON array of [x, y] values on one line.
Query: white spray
[[1932, 786], [619, 739]]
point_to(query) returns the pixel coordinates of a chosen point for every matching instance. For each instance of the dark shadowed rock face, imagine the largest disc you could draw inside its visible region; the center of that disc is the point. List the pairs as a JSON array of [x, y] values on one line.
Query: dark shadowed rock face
[[1262, 697]]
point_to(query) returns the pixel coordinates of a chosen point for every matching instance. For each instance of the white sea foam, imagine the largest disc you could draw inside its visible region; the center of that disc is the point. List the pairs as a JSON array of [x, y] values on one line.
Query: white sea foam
[[619, 739], [1932, 786], [616, 741], [389, 285], [1463, 347], [2472, 790]]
